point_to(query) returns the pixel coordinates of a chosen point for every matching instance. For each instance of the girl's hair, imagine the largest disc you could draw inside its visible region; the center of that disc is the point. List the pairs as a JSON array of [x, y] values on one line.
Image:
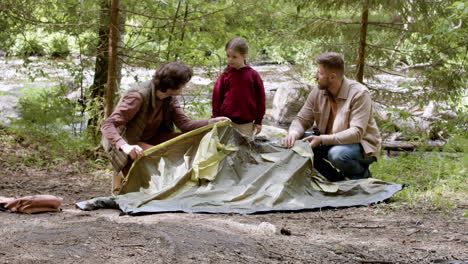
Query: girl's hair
[[238, 44], [171, 75]]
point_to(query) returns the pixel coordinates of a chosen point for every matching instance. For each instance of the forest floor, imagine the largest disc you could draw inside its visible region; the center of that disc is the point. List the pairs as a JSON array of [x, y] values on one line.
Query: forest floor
[[381, 233]]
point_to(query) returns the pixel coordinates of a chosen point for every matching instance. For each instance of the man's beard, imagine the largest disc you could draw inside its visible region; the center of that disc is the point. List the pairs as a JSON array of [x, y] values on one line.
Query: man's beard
[[322, 87]]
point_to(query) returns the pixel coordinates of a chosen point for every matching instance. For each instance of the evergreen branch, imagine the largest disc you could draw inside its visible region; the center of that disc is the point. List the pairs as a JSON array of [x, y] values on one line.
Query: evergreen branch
[[349, 22], [407, 30], [132, 50], [138, 58], [171, 18], [147, 16], [19, 17], [389, 25], [386, 71], [146, 27], [423, 65], [407, 52], [381, 47]]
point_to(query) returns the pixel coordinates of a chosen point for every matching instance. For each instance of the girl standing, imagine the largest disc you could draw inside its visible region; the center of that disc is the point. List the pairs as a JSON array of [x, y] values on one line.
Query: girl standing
[[239, 93]]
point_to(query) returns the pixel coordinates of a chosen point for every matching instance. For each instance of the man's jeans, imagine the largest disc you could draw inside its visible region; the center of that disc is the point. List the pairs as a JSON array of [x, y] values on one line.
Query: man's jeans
[[342, 161]]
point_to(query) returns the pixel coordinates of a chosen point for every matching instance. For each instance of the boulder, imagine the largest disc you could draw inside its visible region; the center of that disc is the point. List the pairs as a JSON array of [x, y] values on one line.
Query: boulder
[[288, 100]]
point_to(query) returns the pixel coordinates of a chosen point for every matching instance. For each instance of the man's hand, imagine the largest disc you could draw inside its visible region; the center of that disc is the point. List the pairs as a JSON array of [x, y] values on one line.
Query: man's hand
[[314, 140], [134, 151], [257, 129], [289, 140], [218, 119]]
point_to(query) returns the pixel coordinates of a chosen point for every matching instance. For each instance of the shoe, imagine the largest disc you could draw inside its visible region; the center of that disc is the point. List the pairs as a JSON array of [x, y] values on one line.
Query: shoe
[[117, 183]]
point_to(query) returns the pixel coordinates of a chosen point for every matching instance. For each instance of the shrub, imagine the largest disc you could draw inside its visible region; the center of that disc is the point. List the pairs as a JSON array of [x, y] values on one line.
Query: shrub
[[28, 47], [46, 118], [59, 47], [43, 110]]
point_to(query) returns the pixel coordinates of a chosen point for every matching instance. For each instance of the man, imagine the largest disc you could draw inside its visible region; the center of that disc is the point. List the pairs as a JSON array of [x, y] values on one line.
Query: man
[[349, 139]]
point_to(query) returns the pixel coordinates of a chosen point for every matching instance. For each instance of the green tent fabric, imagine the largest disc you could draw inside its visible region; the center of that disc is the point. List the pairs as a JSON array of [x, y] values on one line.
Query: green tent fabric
[[215, 169]]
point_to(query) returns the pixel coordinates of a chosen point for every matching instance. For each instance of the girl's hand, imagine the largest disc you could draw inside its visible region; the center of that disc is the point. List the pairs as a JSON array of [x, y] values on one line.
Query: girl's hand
[[218, 119], [134, 151], [257, 129]]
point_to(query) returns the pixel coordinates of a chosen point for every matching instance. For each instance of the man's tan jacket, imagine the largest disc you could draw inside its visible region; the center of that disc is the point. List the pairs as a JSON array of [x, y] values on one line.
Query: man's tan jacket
[[354, 121]]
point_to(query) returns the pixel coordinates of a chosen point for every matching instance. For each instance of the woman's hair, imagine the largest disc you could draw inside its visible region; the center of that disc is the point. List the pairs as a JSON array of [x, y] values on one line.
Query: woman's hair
[[239, 45], [171, 75]]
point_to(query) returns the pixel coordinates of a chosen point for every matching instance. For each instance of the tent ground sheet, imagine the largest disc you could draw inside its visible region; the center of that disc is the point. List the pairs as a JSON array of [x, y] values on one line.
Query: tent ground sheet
[[215, 169]]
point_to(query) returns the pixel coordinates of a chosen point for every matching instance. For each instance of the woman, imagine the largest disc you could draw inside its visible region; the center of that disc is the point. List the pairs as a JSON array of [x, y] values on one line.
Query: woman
[[146, 116]]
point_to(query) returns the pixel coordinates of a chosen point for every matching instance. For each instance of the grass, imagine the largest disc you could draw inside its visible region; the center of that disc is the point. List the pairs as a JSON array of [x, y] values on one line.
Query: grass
[[46, 152], [437, 180]]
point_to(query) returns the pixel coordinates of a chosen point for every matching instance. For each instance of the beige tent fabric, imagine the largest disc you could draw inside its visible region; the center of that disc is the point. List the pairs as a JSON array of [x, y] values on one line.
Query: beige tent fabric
[[32, 204], [245, 129]]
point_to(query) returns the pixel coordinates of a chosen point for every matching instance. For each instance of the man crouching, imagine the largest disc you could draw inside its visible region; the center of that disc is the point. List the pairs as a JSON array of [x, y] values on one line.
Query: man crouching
[[349, 139]]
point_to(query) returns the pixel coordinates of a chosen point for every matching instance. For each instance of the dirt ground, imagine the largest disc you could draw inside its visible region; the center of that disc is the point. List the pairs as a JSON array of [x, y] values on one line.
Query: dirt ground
[[382, 233]]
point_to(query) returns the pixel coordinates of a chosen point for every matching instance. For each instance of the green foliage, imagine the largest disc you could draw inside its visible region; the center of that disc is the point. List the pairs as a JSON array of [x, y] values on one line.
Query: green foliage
[[46, 121], [93, 108], [87, 43], [59, 46], [197, 103], [435, 179], [45, 110], [457, 143], [28, 47]]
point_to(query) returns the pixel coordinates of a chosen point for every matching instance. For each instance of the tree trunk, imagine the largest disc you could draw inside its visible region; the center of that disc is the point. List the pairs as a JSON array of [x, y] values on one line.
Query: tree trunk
[[410, 146], [174, 21], [118, 72], [182, 35], [113, 41], [362, 44], [97, 89]]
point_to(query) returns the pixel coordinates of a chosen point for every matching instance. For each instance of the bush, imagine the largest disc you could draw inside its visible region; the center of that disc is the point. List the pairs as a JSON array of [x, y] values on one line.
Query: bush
[[87, 43], [43, 110], [46, 117], [28, 47], [59, 47]]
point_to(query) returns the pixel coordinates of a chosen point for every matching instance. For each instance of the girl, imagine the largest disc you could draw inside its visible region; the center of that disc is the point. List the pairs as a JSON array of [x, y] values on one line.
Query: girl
[[239, 93]]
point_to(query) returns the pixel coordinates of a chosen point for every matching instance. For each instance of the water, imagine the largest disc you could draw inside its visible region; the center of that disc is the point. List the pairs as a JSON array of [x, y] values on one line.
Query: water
[[37, 73]]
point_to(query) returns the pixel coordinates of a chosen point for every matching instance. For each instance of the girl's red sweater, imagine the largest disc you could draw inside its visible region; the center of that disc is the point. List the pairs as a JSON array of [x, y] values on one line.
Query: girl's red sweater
[[239, 95]]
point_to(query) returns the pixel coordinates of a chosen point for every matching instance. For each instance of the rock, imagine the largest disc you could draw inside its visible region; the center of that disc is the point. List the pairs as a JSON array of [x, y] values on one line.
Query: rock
[[74, 96], [427, 121], [267, 228], [272, 132], [380, 112], [288, 100]]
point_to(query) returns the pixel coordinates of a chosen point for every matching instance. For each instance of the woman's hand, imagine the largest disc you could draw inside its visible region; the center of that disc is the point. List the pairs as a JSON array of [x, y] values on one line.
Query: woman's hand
[[134, 151], [257, 129], [218, 119]]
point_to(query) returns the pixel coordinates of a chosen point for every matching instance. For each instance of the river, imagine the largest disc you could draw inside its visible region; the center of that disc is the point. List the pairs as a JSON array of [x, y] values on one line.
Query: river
[[38, 73]]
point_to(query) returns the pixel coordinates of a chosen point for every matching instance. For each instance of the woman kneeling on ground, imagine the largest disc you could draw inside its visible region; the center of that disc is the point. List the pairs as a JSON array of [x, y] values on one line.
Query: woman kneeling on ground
[[146, 116]]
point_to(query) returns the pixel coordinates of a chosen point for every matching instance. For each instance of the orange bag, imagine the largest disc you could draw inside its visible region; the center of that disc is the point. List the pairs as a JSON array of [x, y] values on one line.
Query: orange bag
[[32, 204]]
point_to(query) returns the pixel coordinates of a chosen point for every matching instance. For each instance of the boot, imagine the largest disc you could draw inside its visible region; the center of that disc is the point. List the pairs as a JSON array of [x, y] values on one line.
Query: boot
[[117, 183]]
